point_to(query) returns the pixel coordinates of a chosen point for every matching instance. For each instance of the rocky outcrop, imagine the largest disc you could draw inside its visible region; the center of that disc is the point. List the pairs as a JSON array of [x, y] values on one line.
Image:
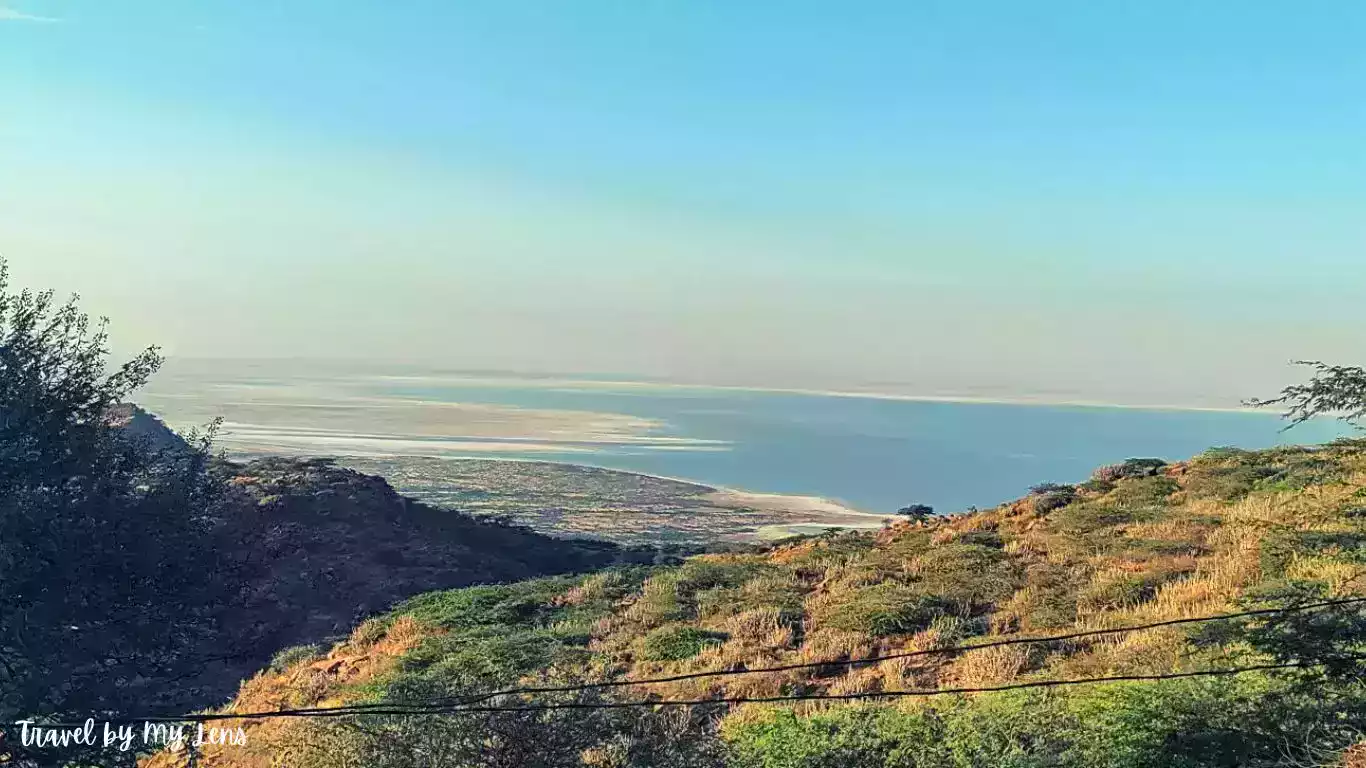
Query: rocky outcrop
[[144, 426]]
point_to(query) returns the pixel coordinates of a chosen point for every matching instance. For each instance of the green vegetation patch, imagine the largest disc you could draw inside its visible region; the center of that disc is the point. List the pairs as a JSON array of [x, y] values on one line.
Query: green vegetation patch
[[1242, 721], [780, 589], [1231, 474], [521, 603], [886, 609], [678, 643], [495, 634], [968, 574], [288, 657]]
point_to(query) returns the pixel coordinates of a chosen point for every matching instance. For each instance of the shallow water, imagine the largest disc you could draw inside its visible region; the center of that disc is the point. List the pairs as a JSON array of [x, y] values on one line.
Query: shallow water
[[873, 454]]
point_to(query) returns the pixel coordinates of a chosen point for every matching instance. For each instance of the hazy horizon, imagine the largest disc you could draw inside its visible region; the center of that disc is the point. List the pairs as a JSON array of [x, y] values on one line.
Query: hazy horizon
[[225, 370], [1141, 205]]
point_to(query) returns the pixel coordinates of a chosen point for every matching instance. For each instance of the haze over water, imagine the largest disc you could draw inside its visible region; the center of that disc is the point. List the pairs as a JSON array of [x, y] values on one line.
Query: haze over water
[[875, 454]]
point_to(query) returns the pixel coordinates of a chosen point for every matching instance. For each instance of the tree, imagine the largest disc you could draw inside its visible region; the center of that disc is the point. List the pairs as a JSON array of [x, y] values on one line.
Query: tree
[[1334, 390], [107, 573], [917, 512]]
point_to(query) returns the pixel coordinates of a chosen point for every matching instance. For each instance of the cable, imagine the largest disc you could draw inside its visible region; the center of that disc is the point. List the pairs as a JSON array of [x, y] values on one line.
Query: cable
[[458, 705], [921, 693], [475, 699]]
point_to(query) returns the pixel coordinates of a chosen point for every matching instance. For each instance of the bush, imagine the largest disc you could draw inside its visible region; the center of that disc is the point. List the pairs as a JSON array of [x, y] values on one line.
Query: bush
[[1094, 516], [851, 737], [886, 609], [678, 643], [1227, 483], [1129, 469], [1253, 721], [526, 602], [1053, 591], [1050, 497], [287, 658], [780, 590], [1095, 485], [1120, 590], [968, 574], [1144, 491], [105, 541]]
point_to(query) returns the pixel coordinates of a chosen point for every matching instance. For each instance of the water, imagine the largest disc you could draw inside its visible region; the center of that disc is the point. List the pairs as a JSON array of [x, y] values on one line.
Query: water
[[873, 454]]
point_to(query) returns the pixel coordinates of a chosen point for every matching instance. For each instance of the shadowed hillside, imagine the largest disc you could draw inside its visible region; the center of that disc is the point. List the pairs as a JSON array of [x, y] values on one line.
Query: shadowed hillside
[[1140, 542], [322, 547]]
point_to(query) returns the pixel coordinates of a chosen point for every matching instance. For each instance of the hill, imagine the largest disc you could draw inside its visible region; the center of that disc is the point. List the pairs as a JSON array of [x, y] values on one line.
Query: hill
[[136, 421], [1141, 542], [320, 547]]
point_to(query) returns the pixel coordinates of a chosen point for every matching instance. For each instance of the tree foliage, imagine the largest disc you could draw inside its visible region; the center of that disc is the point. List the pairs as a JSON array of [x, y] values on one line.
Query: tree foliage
[[917, 512], [1334, 390], [106, 576]]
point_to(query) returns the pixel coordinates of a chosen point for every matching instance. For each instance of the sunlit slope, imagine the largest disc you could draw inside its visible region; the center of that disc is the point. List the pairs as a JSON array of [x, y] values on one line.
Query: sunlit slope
[[1139, 543]]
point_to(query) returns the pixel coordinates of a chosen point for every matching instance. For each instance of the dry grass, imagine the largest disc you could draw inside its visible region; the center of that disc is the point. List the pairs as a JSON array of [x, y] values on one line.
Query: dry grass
[[834, 644], [595, 587], [1178, 557], [989, 666], [1343, 578], [320, 683]]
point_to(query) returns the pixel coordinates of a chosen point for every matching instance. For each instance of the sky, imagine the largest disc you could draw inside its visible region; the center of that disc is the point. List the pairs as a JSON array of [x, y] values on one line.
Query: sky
[[1158, 202]]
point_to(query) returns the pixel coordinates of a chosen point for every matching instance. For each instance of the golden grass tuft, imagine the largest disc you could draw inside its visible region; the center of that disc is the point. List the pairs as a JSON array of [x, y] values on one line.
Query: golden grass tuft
[[990, 666], [834, 644], [1343, 578], [317, 683]]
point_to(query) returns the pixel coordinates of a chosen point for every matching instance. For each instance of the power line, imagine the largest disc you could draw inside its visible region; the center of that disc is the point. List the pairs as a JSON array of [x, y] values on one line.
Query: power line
[[475, 699], [464, 704], [421, 710], [920, 693]]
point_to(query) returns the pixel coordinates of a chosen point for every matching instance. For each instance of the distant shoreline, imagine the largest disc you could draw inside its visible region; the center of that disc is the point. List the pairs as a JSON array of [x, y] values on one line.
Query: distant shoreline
[[565, 498], [737, 496], [552, 383], [563, 380]]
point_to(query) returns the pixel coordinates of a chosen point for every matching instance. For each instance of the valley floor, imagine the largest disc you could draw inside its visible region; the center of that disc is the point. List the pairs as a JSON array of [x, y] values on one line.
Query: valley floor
[[624, 507]]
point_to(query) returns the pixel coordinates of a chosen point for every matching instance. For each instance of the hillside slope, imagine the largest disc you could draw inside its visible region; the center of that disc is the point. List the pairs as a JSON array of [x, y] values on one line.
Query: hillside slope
[[318, 548], [1139, 543]]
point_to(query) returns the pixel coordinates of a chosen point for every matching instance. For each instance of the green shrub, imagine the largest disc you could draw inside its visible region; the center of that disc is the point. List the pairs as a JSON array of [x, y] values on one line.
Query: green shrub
[[1230, 474], [697, 575], [886, 609], [835, 550], [848, 737], [1094, 516], [678, 643], [1050, 502], [295, 655], [525, 602], [474, 659], [1251, 721], [968, 574], [780, 590], [1128, 589], [1226, 483], [1054, 590], [1129, 469], [1144, 491], [1096, 485], [1302, 472]]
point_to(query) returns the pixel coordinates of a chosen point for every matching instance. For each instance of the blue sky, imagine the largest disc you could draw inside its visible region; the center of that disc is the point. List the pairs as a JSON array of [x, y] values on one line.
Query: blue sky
[[1130, 201]]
